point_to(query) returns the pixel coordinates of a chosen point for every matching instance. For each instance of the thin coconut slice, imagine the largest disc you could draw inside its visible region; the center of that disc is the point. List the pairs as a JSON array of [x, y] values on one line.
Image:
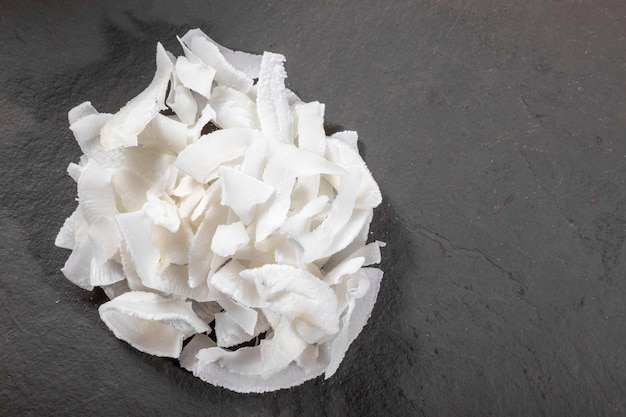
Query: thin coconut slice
[[300, 222], [351, 287], [358, 318], [74, 170], [195, 76], [86, 122], [281, 171], [152, 166], [162, 210], [132, 278], [369, 195], [201, 159], [228, 281], [255, 158], [358, 222], [369, 252], [311, 135], [229, 238], [233, 108], [358, 284], [190, 193], [223, 375], [272, 102], [151, 323], [206, 310], [136, 230], [249, 64], [316, 242], [116, 289], [77, 268], [282, 349], [130, 188], [183, 103], [295, 293], [308, 358], [228, 333], [340, 343], [164, 134], [173, 280], [245, 361], [242, 203], [349, 137], [354, 239], [347, 267], [289, 252], [86, 130], [82, 110], [106, 273], [173, 247], [206, 115], [200, 254], [244, 316], [125, 125], [65, 237], [306, 189], [226, 73], [98, 207]]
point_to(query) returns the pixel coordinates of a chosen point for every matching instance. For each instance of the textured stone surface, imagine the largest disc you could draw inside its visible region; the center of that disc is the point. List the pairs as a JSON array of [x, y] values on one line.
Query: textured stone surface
[[496, 131]]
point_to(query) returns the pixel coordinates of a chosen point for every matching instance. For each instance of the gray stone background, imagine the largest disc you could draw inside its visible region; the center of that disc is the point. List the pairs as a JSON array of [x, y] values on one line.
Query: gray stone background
[[496, 130]]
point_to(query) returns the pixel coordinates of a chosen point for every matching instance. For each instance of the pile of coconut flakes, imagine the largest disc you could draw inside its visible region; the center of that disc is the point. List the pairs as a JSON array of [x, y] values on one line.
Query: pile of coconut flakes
[[250, 239]]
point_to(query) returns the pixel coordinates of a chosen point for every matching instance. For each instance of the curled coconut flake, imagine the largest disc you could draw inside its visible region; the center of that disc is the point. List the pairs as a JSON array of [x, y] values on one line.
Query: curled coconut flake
[[125, 125], [249, 64], [151, 323], [231, 206]]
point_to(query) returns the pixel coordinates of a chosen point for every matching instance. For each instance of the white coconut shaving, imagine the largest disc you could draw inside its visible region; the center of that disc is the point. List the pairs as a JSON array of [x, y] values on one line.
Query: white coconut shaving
[[250, 239]]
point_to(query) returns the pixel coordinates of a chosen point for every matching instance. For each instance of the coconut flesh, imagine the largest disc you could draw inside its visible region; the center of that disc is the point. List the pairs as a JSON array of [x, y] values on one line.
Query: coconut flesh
[[213, 206]]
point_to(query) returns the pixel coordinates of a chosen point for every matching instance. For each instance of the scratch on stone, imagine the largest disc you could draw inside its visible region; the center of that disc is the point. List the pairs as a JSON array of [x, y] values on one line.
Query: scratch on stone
[[458, 18], [436, 237]]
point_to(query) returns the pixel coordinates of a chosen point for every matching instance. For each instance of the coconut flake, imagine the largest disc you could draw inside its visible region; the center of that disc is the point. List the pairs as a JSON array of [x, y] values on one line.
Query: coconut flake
[[65, 237], [357, 320], [311, 136], [77, 268], [229, 238], [226, 73], [164, 135], [82, 110], [295, 293], [201, 159], [195, 76], [106, 273], [272, 102], [151, 323], [368, 195], [234, 182], [200, 254], [233, 108], [125, 125], [249, 64]]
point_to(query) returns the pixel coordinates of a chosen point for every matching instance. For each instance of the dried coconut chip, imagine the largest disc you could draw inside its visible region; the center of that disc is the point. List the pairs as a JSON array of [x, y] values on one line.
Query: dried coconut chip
[[259, 226]]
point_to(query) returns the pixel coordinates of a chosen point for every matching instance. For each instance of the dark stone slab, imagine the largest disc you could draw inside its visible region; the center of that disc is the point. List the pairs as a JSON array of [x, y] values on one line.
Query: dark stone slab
[[496, 131]]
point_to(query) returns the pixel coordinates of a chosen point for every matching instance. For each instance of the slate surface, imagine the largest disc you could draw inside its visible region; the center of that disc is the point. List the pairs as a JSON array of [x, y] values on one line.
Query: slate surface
[[496, 131]]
